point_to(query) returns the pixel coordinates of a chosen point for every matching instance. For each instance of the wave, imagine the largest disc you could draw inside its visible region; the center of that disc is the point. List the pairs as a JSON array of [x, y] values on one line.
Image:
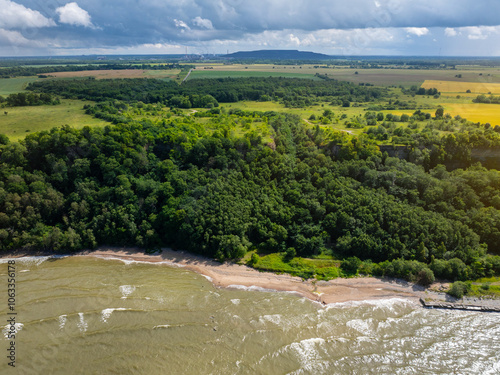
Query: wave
[[62, 321], [6, 331], [308, 353], [82, 324], [207, 277], [106, 313], [126, 290], [134, 261], [388, 303], [162, 326], [32, 260]]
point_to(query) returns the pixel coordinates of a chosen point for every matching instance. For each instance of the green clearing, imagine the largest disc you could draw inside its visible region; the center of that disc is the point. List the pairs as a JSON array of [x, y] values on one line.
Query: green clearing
[[21, 120], [13, 85], [303, 267]]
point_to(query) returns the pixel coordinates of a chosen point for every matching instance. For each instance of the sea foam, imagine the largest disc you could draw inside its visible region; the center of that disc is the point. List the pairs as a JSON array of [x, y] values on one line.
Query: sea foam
[[7, 329], [126, 290], [33, 260], [62, 321], [82, 324], [106, 313]]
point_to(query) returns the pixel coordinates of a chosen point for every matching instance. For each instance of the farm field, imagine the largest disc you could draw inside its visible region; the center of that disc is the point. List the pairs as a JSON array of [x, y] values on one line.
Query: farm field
[[460, 87], [385, 77], [246, 73], [13, 85], [21, 120], [477, 112], [126, 73]]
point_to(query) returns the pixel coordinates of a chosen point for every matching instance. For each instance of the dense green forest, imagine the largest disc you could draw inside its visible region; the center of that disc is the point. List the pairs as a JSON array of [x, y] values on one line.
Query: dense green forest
[[293, 92], [312, 192]]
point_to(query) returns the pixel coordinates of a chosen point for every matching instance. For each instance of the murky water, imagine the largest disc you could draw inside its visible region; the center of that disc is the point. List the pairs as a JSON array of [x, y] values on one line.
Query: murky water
[[79, 315]]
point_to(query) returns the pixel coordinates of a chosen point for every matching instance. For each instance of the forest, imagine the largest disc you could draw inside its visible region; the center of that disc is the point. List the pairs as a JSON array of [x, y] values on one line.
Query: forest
[[311, 192], [293, 92]]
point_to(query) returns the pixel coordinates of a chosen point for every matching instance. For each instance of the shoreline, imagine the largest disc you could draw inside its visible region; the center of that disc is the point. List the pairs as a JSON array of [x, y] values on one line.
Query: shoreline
[[235, 276], [232, 275]]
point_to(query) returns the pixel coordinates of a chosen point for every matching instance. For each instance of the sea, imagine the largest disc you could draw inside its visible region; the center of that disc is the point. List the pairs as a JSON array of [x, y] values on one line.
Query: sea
[[85, 315]]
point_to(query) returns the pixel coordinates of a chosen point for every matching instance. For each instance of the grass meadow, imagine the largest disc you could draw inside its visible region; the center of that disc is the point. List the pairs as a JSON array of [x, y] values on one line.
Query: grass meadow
[[19, 121], [14, 85]]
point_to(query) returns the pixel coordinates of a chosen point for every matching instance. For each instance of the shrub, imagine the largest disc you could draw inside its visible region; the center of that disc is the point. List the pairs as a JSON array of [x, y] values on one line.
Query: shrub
[[350, 265], [459, 289]]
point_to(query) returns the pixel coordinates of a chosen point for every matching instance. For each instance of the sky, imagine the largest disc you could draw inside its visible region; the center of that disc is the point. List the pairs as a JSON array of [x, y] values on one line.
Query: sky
[[333, 27]]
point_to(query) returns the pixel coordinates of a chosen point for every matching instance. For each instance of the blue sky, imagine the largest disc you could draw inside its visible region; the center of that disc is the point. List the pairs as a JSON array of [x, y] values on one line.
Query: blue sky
[[354, 27]]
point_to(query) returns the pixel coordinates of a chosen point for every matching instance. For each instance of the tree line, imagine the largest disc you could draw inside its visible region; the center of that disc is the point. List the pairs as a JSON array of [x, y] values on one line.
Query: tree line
[[294, 92], [26, 71]]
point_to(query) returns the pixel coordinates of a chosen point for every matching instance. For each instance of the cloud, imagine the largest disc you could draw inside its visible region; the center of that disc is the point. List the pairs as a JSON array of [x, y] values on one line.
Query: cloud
[[480, 32], [333, 41], [203, 23], [449, 31], [418, 31], [294, 39], [13, 38], [72, 14], [181, 24], [332, 26], [17, 16]]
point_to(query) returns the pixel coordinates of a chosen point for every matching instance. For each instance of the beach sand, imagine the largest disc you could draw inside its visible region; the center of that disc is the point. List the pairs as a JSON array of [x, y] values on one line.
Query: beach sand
[[230, 275]]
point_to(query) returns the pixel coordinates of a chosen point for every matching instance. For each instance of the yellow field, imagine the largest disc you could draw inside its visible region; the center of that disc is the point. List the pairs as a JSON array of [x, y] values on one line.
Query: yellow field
[[461, 87], [477, 112]]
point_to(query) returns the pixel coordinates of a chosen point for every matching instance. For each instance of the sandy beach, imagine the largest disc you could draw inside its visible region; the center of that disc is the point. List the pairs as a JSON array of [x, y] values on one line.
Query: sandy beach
[[230, 275]]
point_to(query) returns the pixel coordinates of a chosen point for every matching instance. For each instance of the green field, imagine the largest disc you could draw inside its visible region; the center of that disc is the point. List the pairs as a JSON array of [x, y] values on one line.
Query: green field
[[21, 120], [12, 85], [244, 74], [390, 76]]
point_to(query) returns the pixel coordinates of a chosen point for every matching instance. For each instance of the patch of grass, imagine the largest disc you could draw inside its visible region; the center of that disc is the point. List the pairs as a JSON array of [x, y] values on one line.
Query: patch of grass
[[14, 85], [491, 280], [484, 290], [19, 120], [306, 268]]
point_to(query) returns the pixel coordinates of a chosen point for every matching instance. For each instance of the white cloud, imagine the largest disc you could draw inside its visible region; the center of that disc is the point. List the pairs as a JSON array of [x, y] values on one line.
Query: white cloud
[[294, 39], [418, 31], [72, 14], [181, 25], [203, 23], [16, 16], [355, 41], [12, 38], [449, 31], [480, 32], [148, 48]]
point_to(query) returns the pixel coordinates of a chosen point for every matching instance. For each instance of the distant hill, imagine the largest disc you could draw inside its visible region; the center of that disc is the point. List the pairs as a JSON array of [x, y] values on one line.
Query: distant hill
[[278, 55]]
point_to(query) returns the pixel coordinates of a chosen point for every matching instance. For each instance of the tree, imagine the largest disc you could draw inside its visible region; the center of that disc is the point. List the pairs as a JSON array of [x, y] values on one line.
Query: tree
[[439, 112], [290, 254], [350, 265]]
